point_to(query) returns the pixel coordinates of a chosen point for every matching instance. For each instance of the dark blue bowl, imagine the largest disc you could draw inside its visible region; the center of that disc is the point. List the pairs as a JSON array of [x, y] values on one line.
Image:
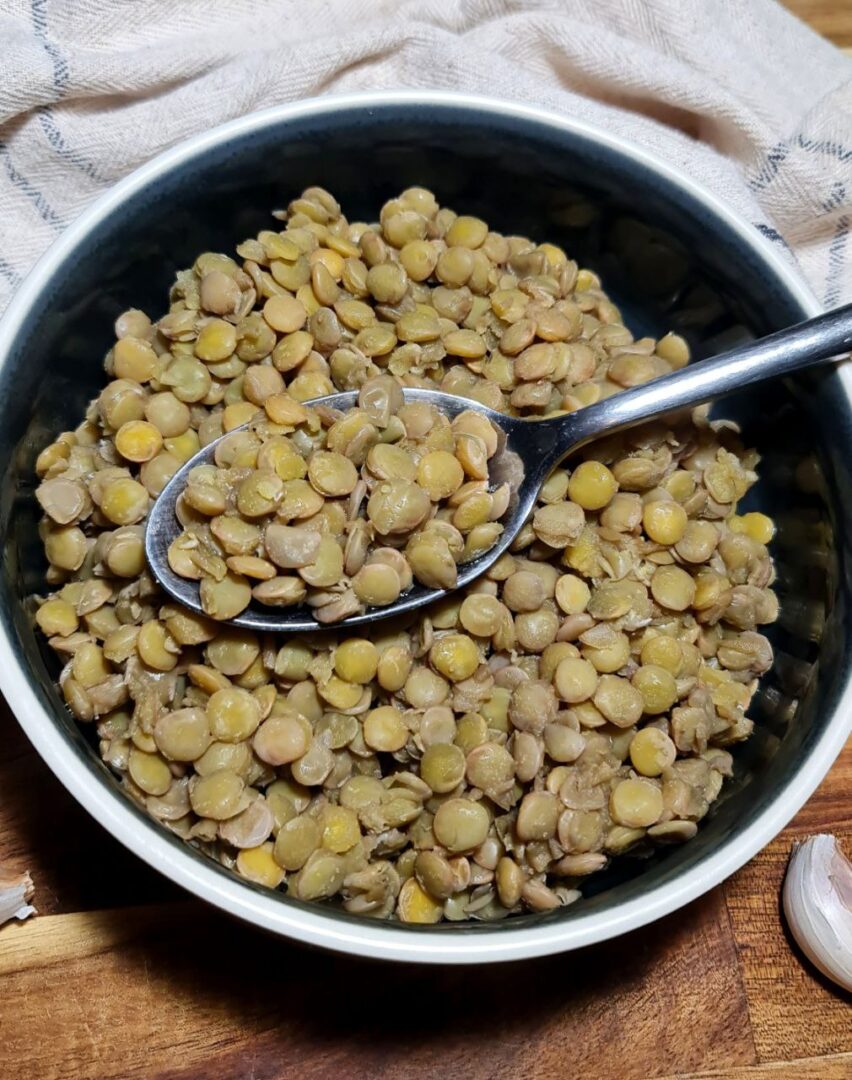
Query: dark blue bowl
[[671, 256]]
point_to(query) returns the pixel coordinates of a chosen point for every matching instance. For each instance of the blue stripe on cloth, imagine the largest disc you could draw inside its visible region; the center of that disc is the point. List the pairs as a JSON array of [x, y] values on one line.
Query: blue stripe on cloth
[[836, 198], [836, 262], [61, 73], [56, 139], [61, 77], [45, 210], [771, 163], [779, 153], [10, 273], [833, 149], [771, 234]]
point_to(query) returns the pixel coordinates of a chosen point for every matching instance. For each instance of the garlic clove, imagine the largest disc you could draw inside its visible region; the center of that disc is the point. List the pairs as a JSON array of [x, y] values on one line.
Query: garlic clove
[[817, 901], [15, 892]]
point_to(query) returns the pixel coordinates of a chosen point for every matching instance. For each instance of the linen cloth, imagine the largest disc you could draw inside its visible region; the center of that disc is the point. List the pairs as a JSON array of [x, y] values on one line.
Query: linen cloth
[[737, 93]]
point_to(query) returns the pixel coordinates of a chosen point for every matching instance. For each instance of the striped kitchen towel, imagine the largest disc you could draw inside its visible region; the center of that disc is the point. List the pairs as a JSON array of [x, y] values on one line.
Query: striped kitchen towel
[[738, 94]]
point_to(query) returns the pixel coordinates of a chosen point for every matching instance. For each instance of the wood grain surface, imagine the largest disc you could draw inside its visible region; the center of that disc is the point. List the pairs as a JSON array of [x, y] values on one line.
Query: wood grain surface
[[122, 976], [831, 18]]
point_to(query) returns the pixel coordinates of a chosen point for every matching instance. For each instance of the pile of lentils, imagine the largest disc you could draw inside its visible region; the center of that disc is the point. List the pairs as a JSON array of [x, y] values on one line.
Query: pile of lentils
[[482, 758], [429, 494]]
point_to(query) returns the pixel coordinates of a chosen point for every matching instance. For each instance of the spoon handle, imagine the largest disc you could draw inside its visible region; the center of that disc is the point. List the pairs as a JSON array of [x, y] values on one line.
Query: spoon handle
[[790, 350]]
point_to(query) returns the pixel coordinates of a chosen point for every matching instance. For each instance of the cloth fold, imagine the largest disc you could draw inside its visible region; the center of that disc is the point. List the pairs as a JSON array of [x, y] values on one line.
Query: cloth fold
[[741, 96]]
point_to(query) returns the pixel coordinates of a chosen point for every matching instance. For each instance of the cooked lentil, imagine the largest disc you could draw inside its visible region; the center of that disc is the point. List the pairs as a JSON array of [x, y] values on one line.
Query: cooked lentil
[[575, 703]]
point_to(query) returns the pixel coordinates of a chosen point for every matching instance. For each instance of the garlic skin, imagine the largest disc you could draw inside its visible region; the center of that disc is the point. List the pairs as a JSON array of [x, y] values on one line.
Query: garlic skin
[[818, 905], [15, 892]]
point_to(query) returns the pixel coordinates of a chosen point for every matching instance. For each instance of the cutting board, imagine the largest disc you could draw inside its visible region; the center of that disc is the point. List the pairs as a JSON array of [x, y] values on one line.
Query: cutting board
[[121, 976]]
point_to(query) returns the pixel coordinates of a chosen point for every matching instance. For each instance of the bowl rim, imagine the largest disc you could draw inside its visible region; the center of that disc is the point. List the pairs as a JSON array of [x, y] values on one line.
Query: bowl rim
[[311, 925]]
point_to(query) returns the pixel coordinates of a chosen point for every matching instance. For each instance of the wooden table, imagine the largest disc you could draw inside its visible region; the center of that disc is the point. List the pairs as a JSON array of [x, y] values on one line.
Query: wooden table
[[122, 976]]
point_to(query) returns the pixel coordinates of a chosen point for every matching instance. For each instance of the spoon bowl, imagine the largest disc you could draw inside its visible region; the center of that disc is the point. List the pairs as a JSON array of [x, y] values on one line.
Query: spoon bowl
[[509, 465]]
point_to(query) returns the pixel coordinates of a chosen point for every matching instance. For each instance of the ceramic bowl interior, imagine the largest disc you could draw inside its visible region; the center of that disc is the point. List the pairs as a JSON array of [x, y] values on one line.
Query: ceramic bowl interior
[[669, 261]]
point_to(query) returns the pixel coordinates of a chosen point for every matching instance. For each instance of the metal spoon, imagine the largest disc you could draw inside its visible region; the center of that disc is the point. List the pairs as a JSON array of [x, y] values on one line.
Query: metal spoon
[[528, 451]]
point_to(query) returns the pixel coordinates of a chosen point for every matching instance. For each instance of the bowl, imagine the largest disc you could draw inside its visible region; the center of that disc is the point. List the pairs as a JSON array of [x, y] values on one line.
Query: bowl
[[671, 256]]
